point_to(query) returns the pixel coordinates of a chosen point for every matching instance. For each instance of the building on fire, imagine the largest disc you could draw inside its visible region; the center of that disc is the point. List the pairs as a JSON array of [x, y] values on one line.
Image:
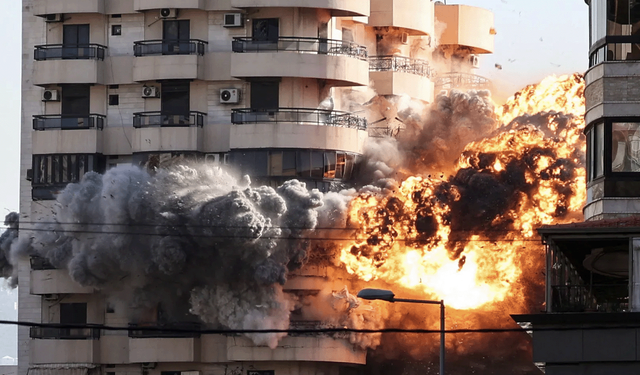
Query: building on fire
[[263, 86], [593, 267]]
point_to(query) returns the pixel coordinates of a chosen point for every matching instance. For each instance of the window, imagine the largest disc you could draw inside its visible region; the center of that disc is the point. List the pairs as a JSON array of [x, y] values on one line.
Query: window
[[75, 42], [175, 99], [625, 147], [615, 30], [175, 36], [598, 159], [266, 30], [61, 169], [114, 99], [73, 313], [75, 105], [116, 30], [265, 95]]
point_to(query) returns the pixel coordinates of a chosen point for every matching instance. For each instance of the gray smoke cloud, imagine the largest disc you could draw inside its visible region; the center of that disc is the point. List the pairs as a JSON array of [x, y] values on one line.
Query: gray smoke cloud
[[6, 240]]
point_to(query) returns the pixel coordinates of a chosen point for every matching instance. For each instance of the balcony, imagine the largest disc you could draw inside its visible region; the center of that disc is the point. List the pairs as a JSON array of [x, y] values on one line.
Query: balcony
[[62, 345], [168, 59], [45, 7], [338, 8], [454, 80], [55, 281], [467, 26], [157, 131], [142, 5], [63, 134], [176, 343], [60, 64], [297, 128], [343, 63], [68, 122], [397, 75], [414, 17]]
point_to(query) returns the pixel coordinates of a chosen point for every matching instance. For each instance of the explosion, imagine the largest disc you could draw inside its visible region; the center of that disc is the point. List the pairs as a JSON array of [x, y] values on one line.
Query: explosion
[[467, 238]]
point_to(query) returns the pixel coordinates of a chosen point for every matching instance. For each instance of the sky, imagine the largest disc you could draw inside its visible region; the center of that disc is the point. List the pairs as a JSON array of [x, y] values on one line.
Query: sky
[[534, 39]]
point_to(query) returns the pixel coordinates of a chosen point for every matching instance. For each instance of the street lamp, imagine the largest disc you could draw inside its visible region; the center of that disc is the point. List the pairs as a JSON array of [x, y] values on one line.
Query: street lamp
[[387, 295]]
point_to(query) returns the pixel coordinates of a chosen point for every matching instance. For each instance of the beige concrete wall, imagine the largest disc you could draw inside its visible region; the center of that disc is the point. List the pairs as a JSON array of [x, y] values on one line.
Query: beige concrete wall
[[416, 17], [164, 350], [118, 140], [55, 282], [114, 349], [337, 7], [466, 26], [118, 7], [64, 351], [401, 83], [50, 72], [140, 5], [82, 141], [97, 28], [167, 139], [288, 135], [340, 70], [151, 68], [42, 7]]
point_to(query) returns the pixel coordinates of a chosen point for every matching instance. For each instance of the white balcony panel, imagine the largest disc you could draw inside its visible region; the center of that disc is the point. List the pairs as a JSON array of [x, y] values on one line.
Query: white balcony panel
[[141, 5], [56, 282], [51, 72], [292, 135], [164, 349], [167, 139], [402, 83], [338, 8], [151, 68], [466, 26], [44, 7], [316, 349], [414, 16], [80, 141], [342, 70], [64, 351]]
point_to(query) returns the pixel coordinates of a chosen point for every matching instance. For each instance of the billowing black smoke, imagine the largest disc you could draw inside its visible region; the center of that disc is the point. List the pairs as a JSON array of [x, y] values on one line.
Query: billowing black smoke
[[7, 238]]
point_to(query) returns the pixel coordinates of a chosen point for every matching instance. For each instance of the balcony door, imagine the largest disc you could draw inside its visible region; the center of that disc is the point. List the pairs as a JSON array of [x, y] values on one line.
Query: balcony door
[[265, 95], [175, 103], [266, 30], [75, 42], [175, 36], [73, 314], [75, 105]]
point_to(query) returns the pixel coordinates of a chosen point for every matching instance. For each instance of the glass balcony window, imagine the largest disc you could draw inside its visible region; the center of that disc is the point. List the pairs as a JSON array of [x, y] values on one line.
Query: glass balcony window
[[300, 45], [306, 116]]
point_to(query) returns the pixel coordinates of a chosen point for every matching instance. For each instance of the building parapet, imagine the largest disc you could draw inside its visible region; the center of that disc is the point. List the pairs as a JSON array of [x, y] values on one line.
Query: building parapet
[[400, 64]]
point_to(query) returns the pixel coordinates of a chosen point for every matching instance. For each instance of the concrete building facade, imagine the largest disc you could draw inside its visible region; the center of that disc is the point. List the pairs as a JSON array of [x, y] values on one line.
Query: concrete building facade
[[264, 86]]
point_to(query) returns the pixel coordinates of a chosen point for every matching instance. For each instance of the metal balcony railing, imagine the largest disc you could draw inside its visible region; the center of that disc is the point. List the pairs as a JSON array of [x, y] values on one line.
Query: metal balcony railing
[[453, 80], [301, 45], [69, 52], [305, 116], [400, 64], [169, 47], [161, 119], [593, 298], [64, 333], [171, 330], [68, 122]]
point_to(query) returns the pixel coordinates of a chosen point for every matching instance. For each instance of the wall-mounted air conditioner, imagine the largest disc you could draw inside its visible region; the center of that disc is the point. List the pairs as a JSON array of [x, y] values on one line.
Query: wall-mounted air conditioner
[[404, 38], [58, 17], [229, 96], [50, 96], [474, 60], [150, 92], [168, 13], [233, 20]]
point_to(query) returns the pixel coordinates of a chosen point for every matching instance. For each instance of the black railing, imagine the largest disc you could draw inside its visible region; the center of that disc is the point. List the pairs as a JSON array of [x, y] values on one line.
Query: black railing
[[68, 122], [169, 47], [400, 64], [301, 45], [298, 116], [64, 333], [175, 330], [161, 119], [585, 298], [40, 264], [69, 52], [453, 80]]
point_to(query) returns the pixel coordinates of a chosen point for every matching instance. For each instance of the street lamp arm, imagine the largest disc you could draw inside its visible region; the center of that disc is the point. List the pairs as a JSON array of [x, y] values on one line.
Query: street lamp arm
[[417, 301]]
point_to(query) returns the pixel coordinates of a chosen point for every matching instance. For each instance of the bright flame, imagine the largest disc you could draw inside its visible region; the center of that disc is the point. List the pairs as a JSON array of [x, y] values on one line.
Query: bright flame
[[406, 238]]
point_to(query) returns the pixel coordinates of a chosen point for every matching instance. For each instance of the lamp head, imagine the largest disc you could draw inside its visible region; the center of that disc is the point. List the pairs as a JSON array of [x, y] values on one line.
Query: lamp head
[[376, 294]]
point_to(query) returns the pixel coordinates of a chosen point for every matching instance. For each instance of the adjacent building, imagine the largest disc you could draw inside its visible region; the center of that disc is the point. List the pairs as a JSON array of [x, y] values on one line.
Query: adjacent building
[[593, 267], [265, 86]]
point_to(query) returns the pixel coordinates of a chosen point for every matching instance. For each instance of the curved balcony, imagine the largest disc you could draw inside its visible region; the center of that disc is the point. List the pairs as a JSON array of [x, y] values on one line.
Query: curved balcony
[[60, 64], [168, 59], [157, 131], [141, 5], [44, 7], [344, 63], [454, 80], [59, 134], [338, 8], [414, 17], [297, 128], [397, 75], [467, 26]]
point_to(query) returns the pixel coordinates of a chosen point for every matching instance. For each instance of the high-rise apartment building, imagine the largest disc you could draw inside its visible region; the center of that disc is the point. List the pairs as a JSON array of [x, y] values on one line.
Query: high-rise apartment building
[[593, 267], [264, 86]]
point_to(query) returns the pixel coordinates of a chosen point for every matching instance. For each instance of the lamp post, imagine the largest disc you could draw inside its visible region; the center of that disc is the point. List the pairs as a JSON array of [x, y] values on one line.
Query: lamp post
[[389, 296]]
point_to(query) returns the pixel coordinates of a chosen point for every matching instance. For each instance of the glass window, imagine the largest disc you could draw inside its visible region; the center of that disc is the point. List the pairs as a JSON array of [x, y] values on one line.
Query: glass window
[[340, 164], [288, 163], [275, 163], [598, 10], [599, 151], [317, 164], [329, 164], [304, 163], [625, 147]]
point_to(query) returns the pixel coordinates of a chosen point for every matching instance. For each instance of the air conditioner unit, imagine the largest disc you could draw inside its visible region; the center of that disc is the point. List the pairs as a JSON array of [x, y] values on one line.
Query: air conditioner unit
[[404, 38], [474, 61], [229, 96], [54, 17], [168, 13], [150, 92], [50, 96], [51, 297], [233, 20]]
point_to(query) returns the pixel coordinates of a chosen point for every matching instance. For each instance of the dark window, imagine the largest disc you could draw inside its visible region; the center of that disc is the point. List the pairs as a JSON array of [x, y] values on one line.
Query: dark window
[[63, 168], [73, 313], [265, 95], [75, 41], [75, 106], [317, 164], [114, 99], [116, 30], [266, 29], [169, 372], [176, 35], [175, 98]]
